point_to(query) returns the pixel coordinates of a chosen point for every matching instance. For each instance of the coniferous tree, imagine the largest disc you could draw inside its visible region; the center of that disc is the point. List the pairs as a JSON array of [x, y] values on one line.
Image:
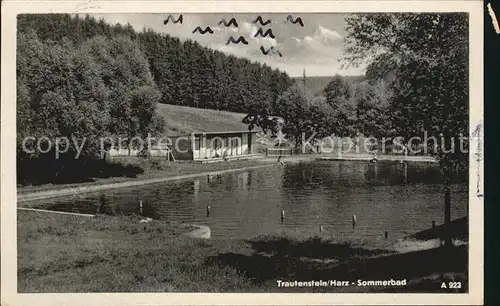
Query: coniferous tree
[[185, 72]]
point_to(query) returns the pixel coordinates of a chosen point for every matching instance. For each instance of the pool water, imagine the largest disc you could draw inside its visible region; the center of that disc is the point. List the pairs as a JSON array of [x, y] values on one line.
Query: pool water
[[311, 194]]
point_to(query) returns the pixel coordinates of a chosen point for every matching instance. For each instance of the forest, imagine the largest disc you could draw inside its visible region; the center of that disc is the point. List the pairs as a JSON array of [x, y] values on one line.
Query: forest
[[185, 73]]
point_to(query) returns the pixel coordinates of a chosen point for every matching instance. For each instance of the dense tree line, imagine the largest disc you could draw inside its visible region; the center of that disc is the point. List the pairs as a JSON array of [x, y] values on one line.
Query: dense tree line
[[361, 108], [346, 108], [185, 72], [70, 98]]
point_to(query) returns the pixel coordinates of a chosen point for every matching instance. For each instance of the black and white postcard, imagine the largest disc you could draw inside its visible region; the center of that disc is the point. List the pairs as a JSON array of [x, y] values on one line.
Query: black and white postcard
[[217, 152]]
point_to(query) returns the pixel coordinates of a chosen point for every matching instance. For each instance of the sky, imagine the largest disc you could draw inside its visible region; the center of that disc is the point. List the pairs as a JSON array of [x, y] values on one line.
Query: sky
[[316, 47]]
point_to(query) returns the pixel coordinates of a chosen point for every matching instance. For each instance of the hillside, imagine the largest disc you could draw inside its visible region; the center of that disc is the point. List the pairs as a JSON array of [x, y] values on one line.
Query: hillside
[[182, 120], [316, 84], [185, 72]]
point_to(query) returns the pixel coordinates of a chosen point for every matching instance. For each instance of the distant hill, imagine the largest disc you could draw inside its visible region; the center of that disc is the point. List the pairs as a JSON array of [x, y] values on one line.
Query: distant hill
[[316, 84], [181, 120]]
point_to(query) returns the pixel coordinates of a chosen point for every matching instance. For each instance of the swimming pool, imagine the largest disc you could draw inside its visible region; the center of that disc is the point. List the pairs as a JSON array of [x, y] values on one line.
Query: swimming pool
[[311, 194]]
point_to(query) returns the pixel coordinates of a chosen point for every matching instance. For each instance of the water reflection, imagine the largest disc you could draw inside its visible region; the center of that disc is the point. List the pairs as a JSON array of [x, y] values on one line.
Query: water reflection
[[243, 181], [196, 187], [313, 194]]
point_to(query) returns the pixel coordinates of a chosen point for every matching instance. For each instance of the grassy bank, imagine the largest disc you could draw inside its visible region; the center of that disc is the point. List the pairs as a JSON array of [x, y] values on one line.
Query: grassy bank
[[181, 120], [60, 253]]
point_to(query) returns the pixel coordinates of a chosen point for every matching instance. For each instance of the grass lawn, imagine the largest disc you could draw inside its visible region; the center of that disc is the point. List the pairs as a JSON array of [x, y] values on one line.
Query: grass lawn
[[181, 120], [61, 253]]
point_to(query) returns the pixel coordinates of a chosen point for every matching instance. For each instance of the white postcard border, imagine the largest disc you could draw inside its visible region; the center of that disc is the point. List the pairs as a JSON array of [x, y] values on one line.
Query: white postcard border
[[8, 153]]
